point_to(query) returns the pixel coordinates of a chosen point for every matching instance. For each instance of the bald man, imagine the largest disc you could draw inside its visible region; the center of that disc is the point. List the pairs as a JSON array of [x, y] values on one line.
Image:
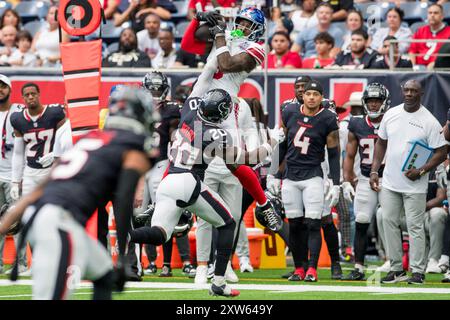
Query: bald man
[[405, 191], [8, 37]]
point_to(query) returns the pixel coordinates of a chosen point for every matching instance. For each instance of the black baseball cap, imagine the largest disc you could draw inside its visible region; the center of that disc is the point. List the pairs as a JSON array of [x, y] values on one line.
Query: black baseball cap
[[303, 79], [314, 85]]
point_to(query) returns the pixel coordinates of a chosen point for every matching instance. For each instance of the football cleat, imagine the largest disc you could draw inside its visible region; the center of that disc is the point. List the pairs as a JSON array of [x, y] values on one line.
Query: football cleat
[[355, 275], [166, 272], [267, 216], [311, 275], [223, 290], [298, 275], [336, 271], [151, 269], [189, 270], [287, 275]]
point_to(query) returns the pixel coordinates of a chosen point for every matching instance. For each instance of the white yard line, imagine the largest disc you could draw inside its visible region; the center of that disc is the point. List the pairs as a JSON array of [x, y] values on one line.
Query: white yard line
[[274, 288]]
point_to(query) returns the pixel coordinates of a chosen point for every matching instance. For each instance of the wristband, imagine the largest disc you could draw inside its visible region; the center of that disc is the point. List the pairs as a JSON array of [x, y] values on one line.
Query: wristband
[[221, 50], [374, 172]]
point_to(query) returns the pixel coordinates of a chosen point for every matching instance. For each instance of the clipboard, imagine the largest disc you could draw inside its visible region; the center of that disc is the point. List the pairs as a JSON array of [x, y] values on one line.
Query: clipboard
[[419, 154]]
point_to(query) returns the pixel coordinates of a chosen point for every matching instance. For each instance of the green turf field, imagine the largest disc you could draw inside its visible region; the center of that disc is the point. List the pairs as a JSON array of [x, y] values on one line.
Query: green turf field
[[260, 285]]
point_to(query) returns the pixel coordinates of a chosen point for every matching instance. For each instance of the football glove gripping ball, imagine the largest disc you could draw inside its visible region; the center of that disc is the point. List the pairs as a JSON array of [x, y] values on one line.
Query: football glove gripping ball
[[211, 17]]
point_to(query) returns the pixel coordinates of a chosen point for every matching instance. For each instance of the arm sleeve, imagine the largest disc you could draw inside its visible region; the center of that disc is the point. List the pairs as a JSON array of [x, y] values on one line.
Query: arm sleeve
[[18, 159], [257, 52], [63, 140], [204, 80], [189, 43]]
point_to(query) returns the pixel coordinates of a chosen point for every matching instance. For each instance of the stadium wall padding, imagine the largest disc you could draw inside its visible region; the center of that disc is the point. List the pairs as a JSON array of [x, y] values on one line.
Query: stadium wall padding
[[338, 85]]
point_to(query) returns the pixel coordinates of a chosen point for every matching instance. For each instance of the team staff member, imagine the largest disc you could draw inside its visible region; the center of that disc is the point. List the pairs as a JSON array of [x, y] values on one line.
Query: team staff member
[[406, 191]]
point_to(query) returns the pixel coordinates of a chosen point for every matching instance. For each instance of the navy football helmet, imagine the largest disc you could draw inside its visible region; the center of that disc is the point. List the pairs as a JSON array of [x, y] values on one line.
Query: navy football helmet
[[215, 106], [157, 83], [376, 90]]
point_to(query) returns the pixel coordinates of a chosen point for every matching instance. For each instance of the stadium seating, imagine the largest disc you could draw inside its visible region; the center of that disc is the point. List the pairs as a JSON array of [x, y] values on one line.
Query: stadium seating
[[34, 26], [4, 6], [373, 10], [182, 7], [110, 33], [32, 10], [414, 11], [416, 25], [180, 30]]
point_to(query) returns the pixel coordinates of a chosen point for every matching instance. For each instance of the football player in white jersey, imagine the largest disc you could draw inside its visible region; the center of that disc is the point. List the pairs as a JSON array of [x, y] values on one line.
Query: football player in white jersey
[[234, 55]]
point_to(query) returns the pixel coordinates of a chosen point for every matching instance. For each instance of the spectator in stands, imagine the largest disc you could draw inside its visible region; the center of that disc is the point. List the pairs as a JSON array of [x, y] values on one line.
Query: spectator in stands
[[280, 56], [340, 8], [167, 55], [324, 44], [288, 6], [304, 18], [23, 56], [10, 18], [148, 41], [128, 55], [110, 7], [138, 10], [394, 19], [9, 44], [278, 23], [207, 5], [353, 22], [383, 61], [435, 220], [304, 43], [423, 53], [46, 42], [359, 55]]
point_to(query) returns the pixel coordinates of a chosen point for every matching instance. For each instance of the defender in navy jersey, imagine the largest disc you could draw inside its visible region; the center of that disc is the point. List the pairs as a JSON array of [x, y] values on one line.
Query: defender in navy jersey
[[362, 136], [309, 129], [35, 131], [197, 141], [102, 166]]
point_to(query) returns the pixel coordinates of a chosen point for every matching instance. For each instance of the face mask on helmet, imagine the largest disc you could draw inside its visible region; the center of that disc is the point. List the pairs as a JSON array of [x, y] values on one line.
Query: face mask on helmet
[[157, 84], [256, 25], [379, 92]]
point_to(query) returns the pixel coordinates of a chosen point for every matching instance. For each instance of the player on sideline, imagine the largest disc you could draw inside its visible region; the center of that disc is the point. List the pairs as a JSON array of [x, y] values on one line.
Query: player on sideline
[[35, 131], [308, 128], [362, 136], [102, 165], [198, 140], [234, 55]]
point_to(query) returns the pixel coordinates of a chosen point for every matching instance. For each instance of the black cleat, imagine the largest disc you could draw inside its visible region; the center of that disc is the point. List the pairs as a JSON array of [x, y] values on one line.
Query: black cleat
[[287, 275], [355, 275], [416, 278], [166, 271], [267, 216], [223, 290], [394, 277], [336, 271]]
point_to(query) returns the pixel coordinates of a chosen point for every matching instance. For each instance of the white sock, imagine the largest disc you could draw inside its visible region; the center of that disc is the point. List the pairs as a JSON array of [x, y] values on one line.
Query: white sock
[[219, 280]]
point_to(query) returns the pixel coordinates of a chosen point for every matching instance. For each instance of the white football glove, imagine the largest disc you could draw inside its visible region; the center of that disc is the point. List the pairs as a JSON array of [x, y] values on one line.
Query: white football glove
[[327, 184], [348, 191], [273, 185], [277, 134], [441, 176], [333, 195], [47, 160], [15, 191]]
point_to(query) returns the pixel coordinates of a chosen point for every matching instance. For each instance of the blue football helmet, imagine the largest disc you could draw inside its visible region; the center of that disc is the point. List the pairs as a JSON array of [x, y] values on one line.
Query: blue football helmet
[[256, 17]]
